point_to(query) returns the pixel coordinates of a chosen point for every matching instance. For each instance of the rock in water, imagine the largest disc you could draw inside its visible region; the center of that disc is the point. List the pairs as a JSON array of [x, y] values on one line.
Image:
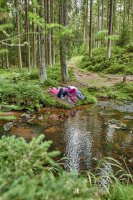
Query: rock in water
[[25, 117], [8, 126]]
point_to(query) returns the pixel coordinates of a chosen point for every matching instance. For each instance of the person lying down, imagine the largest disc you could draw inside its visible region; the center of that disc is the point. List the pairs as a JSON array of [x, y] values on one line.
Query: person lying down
[[71, 93]]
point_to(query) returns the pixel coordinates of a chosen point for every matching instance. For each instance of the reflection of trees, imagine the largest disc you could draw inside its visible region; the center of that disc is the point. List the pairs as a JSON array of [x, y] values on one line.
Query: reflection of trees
[[97, 128], [78, 142]]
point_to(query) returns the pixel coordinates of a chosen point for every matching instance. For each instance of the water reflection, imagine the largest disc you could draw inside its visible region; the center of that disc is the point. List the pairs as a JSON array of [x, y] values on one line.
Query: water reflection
[[84, 136], [110, 133], [88, 137], [78, 143]]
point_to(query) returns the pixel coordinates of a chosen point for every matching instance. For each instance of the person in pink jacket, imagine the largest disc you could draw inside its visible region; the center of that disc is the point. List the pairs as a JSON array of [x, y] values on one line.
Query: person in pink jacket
[[62, 92]]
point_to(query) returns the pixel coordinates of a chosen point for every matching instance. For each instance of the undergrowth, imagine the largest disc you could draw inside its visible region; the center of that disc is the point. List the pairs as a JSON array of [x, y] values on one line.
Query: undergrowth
[[29, 172], [121, 61], [21, 88], [120, 91]]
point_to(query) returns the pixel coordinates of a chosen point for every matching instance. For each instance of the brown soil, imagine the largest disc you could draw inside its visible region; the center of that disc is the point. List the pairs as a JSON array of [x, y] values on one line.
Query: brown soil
[[22, 132]]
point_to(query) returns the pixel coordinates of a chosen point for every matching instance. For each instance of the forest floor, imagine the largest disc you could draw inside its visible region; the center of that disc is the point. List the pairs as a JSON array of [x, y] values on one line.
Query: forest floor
[[91, 79]]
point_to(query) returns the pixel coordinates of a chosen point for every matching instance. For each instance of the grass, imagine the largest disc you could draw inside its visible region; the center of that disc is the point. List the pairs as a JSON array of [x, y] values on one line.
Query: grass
[[120, 91]]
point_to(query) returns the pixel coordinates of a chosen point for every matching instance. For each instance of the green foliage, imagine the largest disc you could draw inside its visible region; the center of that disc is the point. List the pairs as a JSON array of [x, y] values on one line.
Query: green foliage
[[28, 172], [7, 118], [3, 51], [19, 158], [21, 87], [22, 93], [90, 97], [121, 192], [25, 173], [50, 100], [102, 34], [120, 91], [129, 48], [121, 61], [125, 91], [124, 37], [54, 76]]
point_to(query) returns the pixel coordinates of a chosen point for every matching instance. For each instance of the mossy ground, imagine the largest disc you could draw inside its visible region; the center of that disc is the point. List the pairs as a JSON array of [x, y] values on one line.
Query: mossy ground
[[21, 89]]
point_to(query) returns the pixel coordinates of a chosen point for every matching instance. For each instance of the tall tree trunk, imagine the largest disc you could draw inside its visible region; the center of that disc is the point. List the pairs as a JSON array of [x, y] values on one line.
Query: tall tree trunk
[[52, 32], [110, 29], [46, 36], [102, 21], [7, 59], [49, 34], [33, 43], [98, 20], [63, 21], [124, 13], [27, 30], [90, 30], [102, 17], [41, 38], [18, 33]]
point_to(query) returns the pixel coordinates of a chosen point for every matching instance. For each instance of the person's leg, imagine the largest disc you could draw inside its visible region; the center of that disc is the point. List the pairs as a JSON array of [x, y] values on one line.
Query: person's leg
[[66, 93], [60, 93], [80, 95]]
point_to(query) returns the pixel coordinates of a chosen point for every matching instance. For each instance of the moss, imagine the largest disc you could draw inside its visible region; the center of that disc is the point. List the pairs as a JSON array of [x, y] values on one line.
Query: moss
[[120, 91], [90, 97], [8, 118], [52, 101]]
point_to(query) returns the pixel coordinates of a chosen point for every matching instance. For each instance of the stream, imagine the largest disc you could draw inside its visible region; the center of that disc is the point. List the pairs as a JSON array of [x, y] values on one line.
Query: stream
[[85, 134]]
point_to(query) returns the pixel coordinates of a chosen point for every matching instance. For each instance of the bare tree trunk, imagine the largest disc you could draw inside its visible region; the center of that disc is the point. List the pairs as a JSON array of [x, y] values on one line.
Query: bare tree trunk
[[27, 29], [98, 20], [124, 13], [63, 21], [7, 59], [102, 21], [52, 32], [90, 30], [49, 34], [110, 29], [46, 36], [18, 33], [41, 38], [33, 46]]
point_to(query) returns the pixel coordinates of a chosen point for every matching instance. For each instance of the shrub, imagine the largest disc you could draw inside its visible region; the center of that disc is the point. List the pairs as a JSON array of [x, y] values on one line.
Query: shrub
[[129, 48], [116, 69], [121, 61], [22, 93], [28, 172]]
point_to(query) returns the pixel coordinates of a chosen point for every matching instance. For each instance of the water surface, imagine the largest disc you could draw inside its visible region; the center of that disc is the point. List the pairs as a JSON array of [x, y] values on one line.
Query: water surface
[[84, 135]]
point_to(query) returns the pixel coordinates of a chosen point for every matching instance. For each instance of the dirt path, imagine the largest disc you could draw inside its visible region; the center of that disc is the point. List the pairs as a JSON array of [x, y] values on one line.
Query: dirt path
[[90, 79]]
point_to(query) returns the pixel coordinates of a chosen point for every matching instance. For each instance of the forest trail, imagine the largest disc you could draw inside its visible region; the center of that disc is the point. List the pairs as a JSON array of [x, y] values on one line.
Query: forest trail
[[91, 79]]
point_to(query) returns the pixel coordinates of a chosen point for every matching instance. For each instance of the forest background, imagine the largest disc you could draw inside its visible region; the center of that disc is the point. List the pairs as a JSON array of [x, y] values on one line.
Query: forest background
[[46, 43]]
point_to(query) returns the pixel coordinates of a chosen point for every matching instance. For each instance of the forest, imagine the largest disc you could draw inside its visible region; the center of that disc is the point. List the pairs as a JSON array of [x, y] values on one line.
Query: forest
[[76, 144]]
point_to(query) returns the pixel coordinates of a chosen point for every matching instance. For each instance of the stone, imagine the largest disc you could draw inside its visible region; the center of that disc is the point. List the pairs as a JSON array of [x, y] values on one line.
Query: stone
[[25, 117], [8, 126]]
